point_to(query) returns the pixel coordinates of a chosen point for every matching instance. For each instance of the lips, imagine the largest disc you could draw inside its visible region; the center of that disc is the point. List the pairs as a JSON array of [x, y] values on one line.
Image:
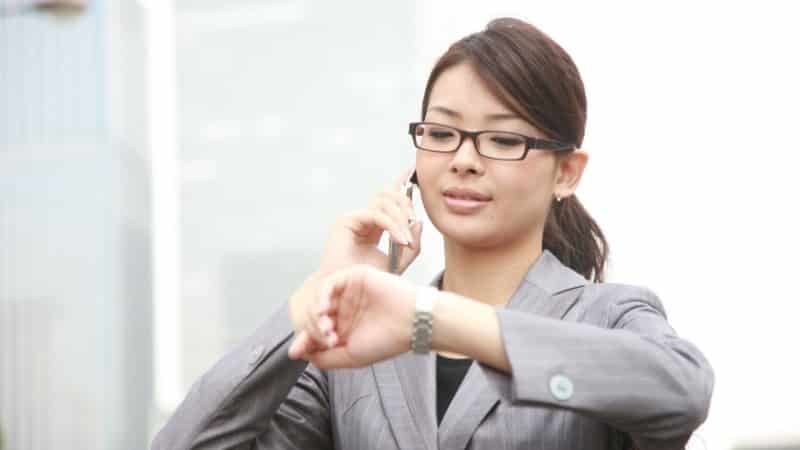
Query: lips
[[466, 194], [465, 201]]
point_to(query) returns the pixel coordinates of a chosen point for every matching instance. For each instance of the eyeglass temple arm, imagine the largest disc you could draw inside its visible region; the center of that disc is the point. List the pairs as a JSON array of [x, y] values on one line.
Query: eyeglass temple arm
[[549, 145]]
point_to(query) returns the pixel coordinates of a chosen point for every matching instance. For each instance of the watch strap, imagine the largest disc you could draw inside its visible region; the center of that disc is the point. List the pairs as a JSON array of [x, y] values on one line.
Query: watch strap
[[422, 332]]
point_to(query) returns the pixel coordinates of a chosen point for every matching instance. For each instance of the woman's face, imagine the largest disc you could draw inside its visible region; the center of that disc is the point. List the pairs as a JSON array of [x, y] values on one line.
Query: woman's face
[[475, 201]]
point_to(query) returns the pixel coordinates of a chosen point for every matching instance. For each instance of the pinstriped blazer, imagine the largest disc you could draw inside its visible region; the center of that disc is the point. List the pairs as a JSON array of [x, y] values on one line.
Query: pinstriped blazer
[[593, 366]]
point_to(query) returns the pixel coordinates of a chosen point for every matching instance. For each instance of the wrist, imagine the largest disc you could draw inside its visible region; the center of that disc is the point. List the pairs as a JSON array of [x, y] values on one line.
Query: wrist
[[443, 312], [458, 326], [300, 298]]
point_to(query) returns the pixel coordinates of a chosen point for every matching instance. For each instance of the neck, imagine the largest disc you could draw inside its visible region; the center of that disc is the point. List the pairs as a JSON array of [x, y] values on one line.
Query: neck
[[489, 275]]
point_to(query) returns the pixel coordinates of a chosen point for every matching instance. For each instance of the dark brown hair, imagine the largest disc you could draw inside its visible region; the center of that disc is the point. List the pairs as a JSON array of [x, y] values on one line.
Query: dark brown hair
[[531, 74]]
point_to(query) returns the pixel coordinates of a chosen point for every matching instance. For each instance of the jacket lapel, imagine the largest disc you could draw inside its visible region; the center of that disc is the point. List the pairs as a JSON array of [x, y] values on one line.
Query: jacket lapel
[[407, 383], [407, 388], [547, 290]]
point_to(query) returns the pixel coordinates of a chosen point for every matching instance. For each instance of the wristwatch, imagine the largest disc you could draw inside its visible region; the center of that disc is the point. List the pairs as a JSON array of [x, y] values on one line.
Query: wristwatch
[[423, 319]]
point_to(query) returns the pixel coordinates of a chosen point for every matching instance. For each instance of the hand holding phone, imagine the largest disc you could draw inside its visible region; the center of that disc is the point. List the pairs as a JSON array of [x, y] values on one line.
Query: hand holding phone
[[355, 236], [395, 249]]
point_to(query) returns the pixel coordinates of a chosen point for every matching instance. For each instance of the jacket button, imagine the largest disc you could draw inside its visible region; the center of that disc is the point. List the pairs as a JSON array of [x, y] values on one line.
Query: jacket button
[[561, 387], [255, 354]]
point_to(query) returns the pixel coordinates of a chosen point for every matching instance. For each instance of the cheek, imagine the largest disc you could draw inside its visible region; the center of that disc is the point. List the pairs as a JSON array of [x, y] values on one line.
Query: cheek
[[431, 162], [429, 167], [525, 191]]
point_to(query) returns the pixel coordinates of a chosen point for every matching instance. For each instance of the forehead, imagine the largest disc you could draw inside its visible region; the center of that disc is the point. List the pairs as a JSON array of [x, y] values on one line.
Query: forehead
[[461, 89]]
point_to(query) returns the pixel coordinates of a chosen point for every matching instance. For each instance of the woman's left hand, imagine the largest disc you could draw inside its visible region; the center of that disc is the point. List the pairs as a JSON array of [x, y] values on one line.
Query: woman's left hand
[[362, 315]]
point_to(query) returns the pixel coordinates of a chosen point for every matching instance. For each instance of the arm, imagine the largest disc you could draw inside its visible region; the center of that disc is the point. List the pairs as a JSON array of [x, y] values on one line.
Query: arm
[[635, 374], [624, 365], [254, 397]]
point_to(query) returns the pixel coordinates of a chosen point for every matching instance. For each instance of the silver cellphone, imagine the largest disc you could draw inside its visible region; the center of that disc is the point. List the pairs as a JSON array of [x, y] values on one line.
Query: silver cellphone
[[395, 249]]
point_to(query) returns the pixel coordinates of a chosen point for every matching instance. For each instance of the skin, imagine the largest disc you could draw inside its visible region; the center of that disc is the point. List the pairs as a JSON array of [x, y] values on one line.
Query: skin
[[348, 317]]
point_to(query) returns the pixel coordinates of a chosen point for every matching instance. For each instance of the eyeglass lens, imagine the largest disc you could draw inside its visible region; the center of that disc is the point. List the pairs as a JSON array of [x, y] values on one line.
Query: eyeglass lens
[[493, 144]]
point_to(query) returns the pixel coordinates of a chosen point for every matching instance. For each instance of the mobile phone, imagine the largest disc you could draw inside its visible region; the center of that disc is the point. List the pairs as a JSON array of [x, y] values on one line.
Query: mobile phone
[[395, 249]]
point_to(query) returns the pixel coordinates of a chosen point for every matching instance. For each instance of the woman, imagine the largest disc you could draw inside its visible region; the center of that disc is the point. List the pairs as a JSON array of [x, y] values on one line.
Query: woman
[[516, 348]]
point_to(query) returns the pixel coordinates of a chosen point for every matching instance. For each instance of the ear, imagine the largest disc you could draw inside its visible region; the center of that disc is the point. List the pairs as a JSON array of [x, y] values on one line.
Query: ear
[[568, 172]]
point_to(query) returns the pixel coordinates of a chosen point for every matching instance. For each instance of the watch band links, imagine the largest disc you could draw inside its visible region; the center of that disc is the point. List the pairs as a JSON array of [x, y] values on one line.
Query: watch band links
[[422, 332]]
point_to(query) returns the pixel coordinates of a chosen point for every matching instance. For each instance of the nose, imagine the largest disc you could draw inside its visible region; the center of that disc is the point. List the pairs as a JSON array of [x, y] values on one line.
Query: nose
[[466, 159]]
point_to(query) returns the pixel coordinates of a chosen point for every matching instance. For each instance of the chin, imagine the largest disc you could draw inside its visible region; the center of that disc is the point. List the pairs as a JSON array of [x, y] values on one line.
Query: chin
[[467, 231]]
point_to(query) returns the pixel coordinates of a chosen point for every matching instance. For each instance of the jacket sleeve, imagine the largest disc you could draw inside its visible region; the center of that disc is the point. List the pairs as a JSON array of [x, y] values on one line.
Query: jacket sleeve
[[629, 370], [255, 397]]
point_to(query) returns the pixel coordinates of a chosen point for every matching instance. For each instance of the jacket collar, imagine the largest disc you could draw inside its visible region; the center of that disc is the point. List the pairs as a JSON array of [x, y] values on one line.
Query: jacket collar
[[546, 273], [407, 383]]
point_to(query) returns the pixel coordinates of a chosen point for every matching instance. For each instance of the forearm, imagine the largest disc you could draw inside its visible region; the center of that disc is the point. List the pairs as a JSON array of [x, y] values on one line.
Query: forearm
[[470, 328], [300, 298], [236, 379], [669, 381]]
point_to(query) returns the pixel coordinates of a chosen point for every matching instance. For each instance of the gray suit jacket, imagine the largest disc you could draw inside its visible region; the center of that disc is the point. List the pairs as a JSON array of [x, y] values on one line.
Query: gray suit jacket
[[592, 365]]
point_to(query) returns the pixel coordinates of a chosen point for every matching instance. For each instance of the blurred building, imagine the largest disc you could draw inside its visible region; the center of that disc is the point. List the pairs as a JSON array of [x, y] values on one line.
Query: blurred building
[[278, 103], [75, 301]]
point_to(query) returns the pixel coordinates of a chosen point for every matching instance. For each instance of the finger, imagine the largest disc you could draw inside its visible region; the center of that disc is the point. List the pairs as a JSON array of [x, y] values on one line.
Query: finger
[[324, 306], [312, 321], [365, 222], [398, 183], [408, 257], [399, 217], [329, 309], [326, 325], [331, 291], [345, 307], [379, 218], [400, 199], [391, 202], [300, 346], [416, 232], [350, 303], [331, 339]]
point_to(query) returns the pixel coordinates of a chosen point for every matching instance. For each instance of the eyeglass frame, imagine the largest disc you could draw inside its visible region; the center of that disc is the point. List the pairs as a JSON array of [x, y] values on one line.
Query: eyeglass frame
[[530, 142]]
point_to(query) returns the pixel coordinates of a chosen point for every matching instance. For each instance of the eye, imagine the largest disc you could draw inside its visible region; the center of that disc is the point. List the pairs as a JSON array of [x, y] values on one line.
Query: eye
[[507, 141], [440, 133]]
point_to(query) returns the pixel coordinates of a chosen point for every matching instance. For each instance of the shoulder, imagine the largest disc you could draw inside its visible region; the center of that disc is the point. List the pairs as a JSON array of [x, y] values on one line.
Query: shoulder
[[610, 302]]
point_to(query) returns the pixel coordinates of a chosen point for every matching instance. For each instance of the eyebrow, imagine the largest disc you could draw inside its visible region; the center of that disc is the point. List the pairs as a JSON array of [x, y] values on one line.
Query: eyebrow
[[495, 116]]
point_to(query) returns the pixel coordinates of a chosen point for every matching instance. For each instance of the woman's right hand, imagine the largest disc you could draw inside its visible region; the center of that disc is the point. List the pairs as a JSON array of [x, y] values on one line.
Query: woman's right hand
[[354, 237]]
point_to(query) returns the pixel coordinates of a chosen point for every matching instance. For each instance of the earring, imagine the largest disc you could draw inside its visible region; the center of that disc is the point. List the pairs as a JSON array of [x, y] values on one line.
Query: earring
[[558, 199]]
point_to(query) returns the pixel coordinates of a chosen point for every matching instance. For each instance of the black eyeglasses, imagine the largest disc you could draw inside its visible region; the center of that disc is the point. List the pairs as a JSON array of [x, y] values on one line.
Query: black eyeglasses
[[503, 145]]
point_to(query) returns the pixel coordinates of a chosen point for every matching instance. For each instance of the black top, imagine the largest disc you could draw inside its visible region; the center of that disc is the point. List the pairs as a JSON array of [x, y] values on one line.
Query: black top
[[449, 374]]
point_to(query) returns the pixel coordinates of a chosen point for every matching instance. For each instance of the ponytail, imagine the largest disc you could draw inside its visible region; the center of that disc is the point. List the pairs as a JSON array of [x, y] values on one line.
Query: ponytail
[[572, 235]]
